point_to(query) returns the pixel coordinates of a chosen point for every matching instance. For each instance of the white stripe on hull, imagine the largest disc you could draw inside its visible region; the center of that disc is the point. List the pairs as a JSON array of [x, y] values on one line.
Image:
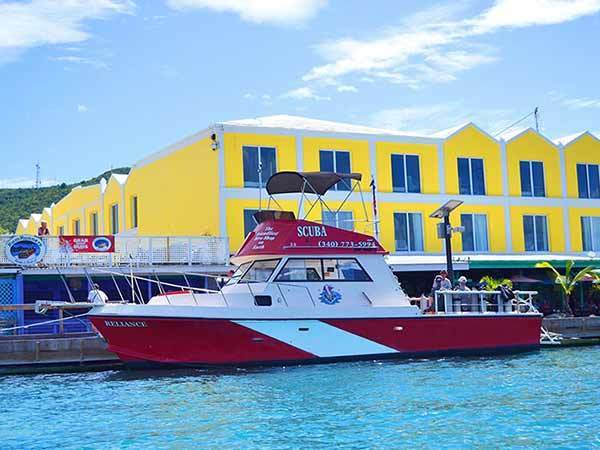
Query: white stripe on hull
[[316, 337]]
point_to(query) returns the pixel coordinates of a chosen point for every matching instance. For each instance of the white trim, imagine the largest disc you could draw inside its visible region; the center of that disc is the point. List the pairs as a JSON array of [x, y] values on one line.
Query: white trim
[[218, 130], [567, 228], [504, 164], [441, 167], [563, 171]]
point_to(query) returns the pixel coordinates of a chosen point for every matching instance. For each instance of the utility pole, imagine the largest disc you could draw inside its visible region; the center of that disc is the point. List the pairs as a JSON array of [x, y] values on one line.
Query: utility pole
[[38, 178], [445, 231], [535, 114]]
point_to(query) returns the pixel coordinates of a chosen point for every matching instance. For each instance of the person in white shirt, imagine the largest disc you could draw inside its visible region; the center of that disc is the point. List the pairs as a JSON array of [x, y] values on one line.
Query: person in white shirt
[[97, 296]]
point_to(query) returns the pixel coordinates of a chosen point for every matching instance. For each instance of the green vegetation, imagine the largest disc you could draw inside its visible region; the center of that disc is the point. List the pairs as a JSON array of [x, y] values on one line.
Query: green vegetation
[[493, 284], [18, 204], [569, 281]]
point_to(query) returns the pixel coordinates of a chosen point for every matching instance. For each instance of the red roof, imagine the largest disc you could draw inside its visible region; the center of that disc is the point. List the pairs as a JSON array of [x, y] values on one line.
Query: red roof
[[302, 237]]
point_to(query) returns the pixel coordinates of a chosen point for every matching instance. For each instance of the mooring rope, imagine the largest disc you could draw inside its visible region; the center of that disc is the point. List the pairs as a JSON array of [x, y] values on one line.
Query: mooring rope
[[41, 323]]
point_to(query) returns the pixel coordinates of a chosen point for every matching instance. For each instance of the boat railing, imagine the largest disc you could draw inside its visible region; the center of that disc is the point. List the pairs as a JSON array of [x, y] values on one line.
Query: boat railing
[[453, 302]]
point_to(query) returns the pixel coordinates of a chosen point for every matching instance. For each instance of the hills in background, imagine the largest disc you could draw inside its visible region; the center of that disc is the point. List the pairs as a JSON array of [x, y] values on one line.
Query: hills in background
[[19, 203]]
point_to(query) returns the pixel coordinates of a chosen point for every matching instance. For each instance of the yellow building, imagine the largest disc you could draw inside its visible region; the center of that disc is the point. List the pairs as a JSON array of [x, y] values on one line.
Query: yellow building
[[521, 191]]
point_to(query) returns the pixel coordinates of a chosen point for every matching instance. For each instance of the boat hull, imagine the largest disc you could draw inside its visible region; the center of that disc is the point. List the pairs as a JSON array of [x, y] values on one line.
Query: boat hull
[[219, 342]]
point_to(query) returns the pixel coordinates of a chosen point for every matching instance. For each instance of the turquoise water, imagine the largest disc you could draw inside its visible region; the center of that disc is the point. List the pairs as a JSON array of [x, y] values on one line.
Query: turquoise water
[[545, 399]]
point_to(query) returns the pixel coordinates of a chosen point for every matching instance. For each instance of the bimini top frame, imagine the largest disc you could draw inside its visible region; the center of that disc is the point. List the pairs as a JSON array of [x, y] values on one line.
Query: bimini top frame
[[315, 183]]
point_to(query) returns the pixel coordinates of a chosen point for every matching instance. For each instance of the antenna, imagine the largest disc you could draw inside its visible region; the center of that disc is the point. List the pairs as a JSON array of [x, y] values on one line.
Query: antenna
[[535, 114], [38, 178]]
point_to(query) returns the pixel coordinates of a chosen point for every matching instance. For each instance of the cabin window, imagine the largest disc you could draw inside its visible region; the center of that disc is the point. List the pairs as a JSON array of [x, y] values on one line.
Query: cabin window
[[532, 179], [339, 219], [590, 233], [406, 176], [336, 161], [588, 180], [471, 179], [249, 221], [535, 230], [94, 224], [301, 270], [76, 227], [344, 269], [259, 164], [260, 271], [475, 235]]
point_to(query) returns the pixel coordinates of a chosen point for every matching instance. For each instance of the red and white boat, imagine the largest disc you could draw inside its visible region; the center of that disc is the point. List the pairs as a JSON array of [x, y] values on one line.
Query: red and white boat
[[306, 292]]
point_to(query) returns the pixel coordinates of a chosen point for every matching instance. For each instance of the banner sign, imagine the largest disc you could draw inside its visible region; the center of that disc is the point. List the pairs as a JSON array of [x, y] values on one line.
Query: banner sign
[[87, 244], [283, 237], [25, 250]]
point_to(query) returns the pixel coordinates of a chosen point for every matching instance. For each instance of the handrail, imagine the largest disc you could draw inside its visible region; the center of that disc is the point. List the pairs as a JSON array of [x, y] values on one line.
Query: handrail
[[516, 305]]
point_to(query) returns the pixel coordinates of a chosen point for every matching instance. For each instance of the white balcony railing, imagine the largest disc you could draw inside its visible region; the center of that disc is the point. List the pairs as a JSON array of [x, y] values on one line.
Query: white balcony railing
[[136, 250]]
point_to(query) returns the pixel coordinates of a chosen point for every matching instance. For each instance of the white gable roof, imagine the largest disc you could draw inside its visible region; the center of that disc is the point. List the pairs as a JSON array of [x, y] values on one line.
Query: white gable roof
[[566, 140], [305, 123], [35, 217]]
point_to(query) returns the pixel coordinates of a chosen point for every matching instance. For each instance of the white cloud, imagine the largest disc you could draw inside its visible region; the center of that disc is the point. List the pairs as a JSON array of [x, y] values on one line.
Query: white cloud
[[80, 60], [43, 22], [82, 108], [430, 119], [581, 103], [23, 182], [304, 93], [433, 46], [347, 88], [281, 12]]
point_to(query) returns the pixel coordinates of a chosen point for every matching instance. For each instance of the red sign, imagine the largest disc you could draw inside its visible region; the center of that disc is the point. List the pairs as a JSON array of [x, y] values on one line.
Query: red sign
[[87, 244], [285, 237]]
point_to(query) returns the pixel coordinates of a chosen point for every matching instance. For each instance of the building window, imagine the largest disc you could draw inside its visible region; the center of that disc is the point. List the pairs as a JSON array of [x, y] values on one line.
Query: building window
[[76, 227], [471, 180], [258, 159], [114, 219], [535, 231], [61, 230], [408, 232], [336, 161], [134, 212], [532, 179], [340, 219], [94, 224], [249, 221], [406, 176], [590, 233], [588, 180], [475, 234]]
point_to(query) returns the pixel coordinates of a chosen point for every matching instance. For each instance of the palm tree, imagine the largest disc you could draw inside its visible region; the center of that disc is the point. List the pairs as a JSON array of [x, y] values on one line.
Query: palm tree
[[568, 281], [493, 284]]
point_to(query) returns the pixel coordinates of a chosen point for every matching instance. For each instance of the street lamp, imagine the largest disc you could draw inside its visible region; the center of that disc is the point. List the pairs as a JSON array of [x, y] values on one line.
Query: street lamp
[[445, 230]]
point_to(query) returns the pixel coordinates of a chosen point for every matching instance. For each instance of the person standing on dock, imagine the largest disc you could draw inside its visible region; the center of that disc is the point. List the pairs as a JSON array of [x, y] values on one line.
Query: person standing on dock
[[97, 296], [43, 229]]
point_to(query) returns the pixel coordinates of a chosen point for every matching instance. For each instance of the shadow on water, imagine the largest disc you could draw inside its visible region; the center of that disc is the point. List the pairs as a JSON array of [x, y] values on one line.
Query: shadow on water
[[170, 372]]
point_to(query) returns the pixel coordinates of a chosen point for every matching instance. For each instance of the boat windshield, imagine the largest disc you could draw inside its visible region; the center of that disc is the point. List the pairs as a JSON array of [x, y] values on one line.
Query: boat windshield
[[260, 271], [238, 273]]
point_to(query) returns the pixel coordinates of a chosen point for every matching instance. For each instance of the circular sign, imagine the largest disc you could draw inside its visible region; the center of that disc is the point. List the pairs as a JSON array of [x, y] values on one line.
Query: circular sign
[[25, 250], [101, 244]]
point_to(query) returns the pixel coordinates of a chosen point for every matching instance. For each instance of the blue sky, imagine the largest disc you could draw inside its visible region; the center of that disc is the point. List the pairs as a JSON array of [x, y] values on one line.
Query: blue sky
[[86, 85]]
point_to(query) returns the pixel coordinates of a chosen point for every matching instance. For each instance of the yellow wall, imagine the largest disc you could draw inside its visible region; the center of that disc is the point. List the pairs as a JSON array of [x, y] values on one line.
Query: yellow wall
[[428, 162], [235, 218], [233, 142], [575, 215], [72, 207], [47, 217], [554, 220], [359, 155], [583, 150], [530, 146], [21, 229], [178, 194], [113, 194], [472, 143]]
